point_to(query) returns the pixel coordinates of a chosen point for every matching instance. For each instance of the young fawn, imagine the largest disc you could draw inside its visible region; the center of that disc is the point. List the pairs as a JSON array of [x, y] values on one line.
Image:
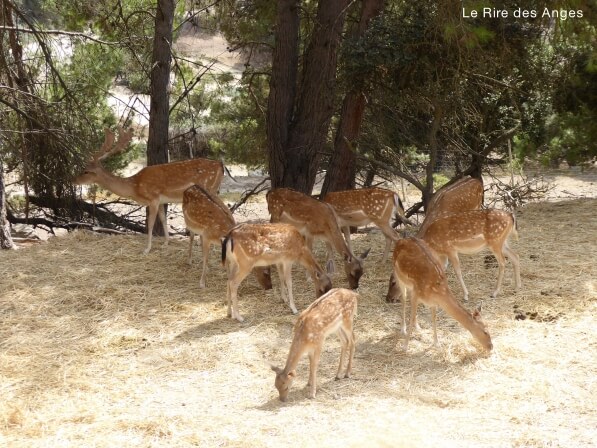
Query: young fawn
[[332, 313]]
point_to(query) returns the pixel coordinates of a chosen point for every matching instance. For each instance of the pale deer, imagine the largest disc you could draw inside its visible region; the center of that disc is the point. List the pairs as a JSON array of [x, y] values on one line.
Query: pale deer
[[470, 232], [364, 206], [464, 194], [153, 185], [420, 272], [315, 219], [249, 245], [205, 214], [333, 312]]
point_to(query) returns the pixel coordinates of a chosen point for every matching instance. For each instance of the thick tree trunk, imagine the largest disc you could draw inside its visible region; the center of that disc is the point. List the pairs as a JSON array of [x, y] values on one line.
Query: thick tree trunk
[[298, 127], [5, 238], [341, 171], [157, 142]]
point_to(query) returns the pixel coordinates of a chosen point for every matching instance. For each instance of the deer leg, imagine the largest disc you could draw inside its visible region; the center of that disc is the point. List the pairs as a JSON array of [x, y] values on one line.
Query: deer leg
[[513, 257], [413, 316], [404, 294], [314, 362], [282, 279], [151, 216], [287, 270], [330, 266], [343, 346], [391, 236], [455, 262], [191, 238], [352, 344], [501, 268], [235, 277], [162, 216], [205, 252]]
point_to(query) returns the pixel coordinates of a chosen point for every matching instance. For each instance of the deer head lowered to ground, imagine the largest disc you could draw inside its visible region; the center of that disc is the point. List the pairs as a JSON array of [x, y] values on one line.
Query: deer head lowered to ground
[[252, 245], [315, 219], [334, 312], [153, 185]]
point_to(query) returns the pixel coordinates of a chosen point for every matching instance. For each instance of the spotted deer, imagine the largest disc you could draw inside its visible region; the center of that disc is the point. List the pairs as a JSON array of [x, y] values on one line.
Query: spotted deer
[[250, 245], [361, 207], [206, 215], [470, 232], [421, 274], [333, 312], [315, 219], [464, 194], [153, 185]]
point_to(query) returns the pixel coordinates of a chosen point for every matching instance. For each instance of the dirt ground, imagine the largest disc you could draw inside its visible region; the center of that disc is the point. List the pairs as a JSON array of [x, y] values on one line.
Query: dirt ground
[[101, 346]]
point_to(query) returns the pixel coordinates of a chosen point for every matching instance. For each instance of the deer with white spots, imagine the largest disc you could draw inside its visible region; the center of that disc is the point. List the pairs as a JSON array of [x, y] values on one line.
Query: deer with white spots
[[250, 245], [206, 215], [420, 272], [153, 185], [470, 232], [334, 312], [361, 207], [315, 219], [464, 194]]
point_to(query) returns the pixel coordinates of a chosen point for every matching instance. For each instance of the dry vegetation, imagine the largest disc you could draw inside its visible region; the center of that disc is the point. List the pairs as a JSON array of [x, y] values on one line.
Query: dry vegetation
[[101, 346]]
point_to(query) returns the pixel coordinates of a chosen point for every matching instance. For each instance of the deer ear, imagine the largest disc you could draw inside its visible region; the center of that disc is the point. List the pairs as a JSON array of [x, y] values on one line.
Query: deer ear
[[292, 374], [278, 370], [364, 254], [477, 312]]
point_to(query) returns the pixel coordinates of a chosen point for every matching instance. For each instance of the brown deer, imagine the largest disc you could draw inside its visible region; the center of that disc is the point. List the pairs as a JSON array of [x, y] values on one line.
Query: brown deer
[[420, 272], [464, 194], [205, 214], [333, 312], [470, 232], [315, 219], [153, 185], [364, 206], [249, 245]]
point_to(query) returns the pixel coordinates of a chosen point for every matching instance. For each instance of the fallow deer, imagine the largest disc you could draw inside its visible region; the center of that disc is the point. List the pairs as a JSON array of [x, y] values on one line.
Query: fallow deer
[[153, 185], [420, 272], [333, 312], [249, 245], [364, 206], [205, 214], [315, 219], [470, 232], [464, 194]]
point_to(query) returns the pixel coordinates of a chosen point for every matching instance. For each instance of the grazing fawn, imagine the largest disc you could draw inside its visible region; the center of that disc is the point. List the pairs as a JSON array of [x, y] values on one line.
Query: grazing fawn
[[249, 245], [206, 215], [153, 185], [315, 219], [334, 312], [419, 272], [364, 206], [470, 232]]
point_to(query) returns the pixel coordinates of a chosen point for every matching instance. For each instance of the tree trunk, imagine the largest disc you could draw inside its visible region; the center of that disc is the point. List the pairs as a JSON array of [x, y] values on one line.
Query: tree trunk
[[5, 238], [341, 171], [298, 126], [157, 141]]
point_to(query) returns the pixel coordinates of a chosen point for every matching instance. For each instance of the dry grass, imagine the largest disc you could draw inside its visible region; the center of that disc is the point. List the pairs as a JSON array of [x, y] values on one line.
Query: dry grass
[[102, 347]]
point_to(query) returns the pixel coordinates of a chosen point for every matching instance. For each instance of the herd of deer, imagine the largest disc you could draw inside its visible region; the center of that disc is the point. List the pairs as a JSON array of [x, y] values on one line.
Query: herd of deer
[[454, 223]]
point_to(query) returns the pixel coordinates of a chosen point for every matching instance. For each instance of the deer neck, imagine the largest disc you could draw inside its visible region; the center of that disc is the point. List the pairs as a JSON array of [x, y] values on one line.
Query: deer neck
[[297, 348], [451, 306], [121, 186]]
